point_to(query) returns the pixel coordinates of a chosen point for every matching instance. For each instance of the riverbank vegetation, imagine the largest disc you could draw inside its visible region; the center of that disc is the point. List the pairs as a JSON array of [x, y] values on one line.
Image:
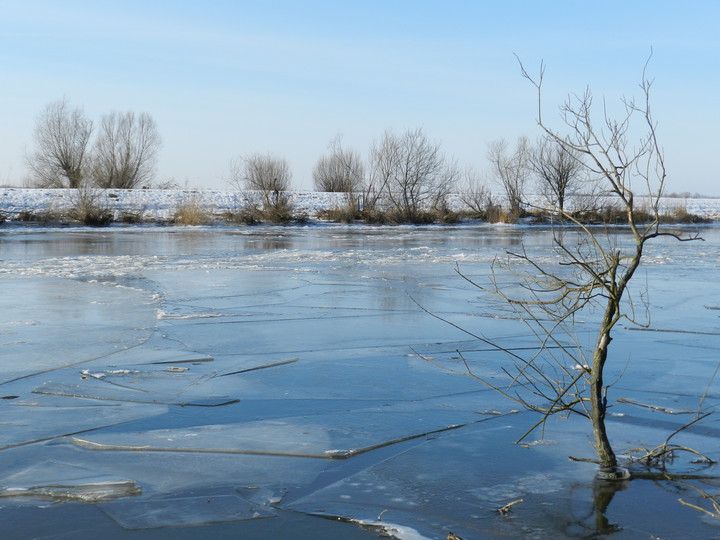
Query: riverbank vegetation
[[406, 178]]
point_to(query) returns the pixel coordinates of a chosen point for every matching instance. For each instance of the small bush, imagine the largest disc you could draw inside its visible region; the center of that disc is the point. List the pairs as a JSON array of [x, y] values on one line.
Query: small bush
[[278, 208], [348, 213], [45, 217], [339, 214], [132, 218], [265, 207], [245, 216], [390, 216], [89, 207], [610, 215], [93, 217]]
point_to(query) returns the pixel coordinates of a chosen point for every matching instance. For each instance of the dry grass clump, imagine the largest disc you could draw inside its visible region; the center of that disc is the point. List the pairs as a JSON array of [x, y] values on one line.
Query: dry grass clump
[[191, 212], [347, 213], [680, 214]]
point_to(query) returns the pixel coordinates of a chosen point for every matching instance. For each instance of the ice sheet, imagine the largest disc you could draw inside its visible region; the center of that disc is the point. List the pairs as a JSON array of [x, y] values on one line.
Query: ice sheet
[[172, 511], [109, 336], [339, 435], [482, 471], [42, 421]]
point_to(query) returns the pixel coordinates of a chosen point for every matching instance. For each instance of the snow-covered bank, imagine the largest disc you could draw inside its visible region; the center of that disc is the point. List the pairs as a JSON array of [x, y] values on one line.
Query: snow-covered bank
[[161, 204], [153, 204]]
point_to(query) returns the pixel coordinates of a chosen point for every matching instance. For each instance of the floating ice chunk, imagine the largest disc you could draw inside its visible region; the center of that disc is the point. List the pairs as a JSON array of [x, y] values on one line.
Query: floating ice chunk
[[162, 355], [65, 482], [538, 442], [163, 315], [123, 394], [338, 435], [24, 424], [391, 530]]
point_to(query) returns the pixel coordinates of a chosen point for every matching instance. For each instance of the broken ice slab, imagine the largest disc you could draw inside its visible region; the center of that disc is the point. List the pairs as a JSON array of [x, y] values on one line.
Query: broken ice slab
[[336, 435], [455, 480], [62, 482], [153, 352], [171, 380], [459, 480], [41, 308], [22, 425], [122, 394], [179, 511], [388, 377]]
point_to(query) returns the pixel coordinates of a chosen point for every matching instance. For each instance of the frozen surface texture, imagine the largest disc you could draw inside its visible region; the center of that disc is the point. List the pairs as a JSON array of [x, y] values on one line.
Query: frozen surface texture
[[250, 381]]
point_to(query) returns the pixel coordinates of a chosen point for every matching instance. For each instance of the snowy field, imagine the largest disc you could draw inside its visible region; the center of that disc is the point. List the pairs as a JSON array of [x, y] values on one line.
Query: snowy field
[[285, 382], [160, 205]]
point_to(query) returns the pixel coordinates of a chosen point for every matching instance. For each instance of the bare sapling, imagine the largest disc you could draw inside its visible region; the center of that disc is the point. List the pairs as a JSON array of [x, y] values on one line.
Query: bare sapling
[[591, 270]]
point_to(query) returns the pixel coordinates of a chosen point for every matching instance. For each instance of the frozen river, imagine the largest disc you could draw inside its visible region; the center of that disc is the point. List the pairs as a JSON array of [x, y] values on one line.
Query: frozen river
[[249, 383]]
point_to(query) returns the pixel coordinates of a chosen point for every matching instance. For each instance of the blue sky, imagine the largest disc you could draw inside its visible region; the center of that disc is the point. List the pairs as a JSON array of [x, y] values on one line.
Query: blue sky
[[228, 78]]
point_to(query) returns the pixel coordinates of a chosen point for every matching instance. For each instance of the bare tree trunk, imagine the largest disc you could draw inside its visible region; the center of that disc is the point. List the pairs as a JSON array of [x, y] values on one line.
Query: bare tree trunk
[[598, 401]]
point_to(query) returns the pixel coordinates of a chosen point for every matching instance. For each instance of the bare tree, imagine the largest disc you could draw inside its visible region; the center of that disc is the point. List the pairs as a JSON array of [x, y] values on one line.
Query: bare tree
[[267, 177], [475, 194], [512, 171], [411, 173], [61, 137], [593, 272], [558, 170], [340, 171], [125, 151], [261, 172]]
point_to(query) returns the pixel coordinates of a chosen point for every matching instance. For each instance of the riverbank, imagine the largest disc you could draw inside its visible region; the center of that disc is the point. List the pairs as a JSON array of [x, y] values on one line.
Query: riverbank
[[161, 205]]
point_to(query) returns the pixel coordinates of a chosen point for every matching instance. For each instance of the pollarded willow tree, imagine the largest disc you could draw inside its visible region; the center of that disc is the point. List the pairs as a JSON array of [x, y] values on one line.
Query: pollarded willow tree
[[511, 168], [593, 270], [558, 171], [62, 135], [266, 178], [267, 174], [340, 171], [125, 151], [411, 173]]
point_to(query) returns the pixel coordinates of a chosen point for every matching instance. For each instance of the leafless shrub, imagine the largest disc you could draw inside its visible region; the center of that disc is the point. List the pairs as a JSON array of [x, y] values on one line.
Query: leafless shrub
[[268, 177], [340, 171], [260, 172], [475, 194], [591, 274]]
